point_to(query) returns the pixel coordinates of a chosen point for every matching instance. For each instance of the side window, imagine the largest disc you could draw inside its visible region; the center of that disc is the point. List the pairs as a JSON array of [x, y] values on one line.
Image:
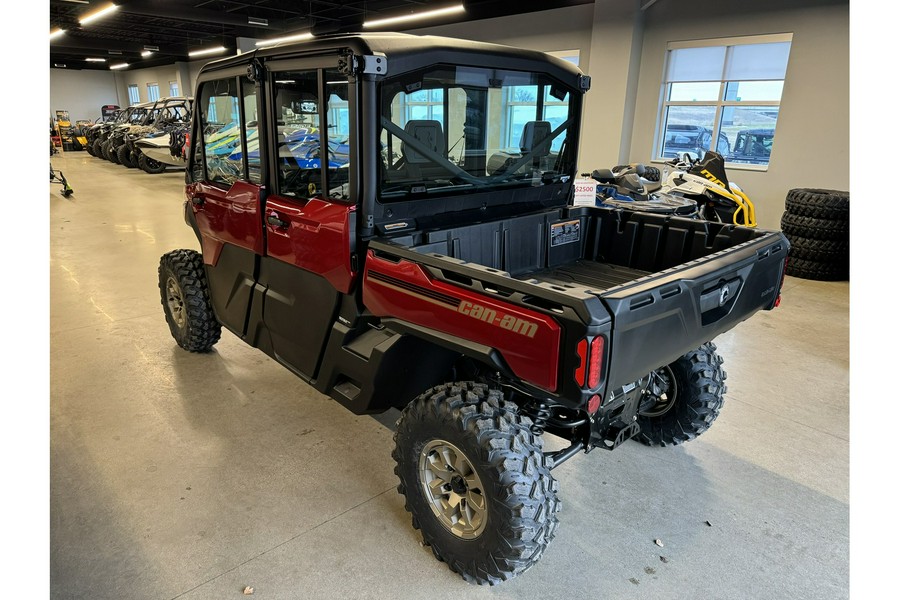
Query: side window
[[221, 128], [298, 132], [305, 145], [251, 130], [338, 117]]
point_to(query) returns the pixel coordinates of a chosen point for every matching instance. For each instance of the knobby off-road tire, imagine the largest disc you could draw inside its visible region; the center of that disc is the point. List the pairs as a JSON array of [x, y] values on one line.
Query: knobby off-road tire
[[90, 148], [690, 393], [149, 165], [491, 515], [819, 271], [651, 174], [97, 148], [123, 155], [109, 151], [821, 204], [185, 298], [811, 227], [828, 251]]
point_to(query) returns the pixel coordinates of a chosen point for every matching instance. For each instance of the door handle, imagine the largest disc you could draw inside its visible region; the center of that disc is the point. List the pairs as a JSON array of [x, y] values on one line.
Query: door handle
[[275, 221]]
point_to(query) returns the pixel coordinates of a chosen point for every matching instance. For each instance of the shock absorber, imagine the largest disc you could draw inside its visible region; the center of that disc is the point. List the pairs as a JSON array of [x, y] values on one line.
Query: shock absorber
[[542, 413]]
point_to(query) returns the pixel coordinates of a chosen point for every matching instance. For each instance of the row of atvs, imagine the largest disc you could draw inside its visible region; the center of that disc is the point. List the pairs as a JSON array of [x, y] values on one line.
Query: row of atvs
[[150, 136], [688, 187]]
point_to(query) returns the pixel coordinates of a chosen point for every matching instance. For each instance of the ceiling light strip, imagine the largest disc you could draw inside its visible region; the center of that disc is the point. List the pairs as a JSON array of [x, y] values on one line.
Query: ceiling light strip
[[56, 33], [118, 66], [429, 14], [96, 15], [289, 38], [206, 51]]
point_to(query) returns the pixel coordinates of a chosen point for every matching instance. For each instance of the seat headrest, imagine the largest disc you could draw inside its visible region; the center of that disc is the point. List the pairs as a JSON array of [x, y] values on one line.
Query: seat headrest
[[536, 132], [429, 133]]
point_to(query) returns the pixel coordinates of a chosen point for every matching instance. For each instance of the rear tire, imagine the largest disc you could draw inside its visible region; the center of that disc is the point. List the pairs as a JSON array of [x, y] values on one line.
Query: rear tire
[[476, 481], [97, 146], [690, 393], [185, 298], [151, 166]]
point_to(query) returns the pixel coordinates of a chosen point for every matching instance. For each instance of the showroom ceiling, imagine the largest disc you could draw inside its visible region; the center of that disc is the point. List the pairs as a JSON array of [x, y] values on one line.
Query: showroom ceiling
[[171, 29]]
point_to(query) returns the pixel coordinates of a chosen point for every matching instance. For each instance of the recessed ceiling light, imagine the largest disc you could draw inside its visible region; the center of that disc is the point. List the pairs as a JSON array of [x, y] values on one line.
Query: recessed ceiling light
[[95, 59], [98, 14], [428, 14], [205, 51], [118, 66], [257, 21], [290, 38], [62, 66]]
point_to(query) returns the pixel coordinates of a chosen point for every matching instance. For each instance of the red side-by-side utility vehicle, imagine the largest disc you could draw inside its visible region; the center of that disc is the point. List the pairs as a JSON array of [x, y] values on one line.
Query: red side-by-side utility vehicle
[[390, 217]]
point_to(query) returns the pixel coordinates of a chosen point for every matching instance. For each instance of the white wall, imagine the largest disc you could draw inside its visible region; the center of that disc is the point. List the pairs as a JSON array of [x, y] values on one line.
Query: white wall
[[141, 77], [811, 147], [567, 28], [82, 93]]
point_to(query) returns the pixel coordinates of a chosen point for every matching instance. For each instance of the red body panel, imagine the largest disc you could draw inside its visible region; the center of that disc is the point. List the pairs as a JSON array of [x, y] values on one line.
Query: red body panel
[[317, 238], [227, 217], [528, 340]]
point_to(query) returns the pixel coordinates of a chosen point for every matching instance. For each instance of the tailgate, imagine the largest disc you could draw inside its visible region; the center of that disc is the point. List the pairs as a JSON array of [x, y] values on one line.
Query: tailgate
[[658, 318]]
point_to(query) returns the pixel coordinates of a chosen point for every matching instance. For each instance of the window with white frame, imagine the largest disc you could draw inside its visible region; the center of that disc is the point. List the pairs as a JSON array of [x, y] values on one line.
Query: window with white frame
[[134, 94], [522, 106], [173, 88], [152, 92], [727, 90]]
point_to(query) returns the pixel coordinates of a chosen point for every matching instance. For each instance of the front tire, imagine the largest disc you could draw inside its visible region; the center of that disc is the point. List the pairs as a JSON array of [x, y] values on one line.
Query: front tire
[[688, 394], [123, 156], [476, 481], [185, 299]]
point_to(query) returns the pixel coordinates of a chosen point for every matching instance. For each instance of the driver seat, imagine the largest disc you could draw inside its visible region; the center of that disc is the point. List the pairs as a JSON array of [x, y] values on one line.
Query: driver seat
[[536, 139], [429, 133]]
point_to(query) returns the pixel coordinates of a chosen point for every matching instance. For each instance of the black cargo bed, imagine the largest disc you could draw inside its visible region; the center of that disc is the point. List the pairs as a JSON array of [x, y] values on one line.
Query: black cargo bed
[[588, 273]]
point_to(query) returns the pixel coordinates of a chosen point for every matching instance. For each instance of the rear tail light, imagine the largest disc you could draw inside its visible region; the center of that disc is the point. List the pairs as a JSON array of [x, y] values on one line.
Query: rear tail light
[[781, 285], [589, 371], [595, 364], [582, 364]]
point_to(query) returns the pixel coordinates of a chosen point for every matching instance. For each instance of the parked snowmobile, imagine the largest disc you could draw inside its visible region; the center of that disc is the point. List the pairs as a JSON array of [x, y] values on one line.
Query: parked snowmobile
[[628, 187], [706, 182]]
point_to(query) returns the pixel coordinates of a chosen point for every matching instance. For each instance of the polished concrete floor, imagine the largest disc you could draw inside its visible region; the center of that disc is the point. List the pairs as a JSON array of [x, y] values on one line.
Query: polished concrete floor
[[178, 475]]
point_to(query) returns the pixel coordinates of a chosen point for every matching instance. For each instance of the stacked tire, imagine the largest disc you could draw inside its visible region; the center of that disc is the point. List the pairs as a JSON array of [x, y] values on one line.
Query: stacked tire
[[817, 224]]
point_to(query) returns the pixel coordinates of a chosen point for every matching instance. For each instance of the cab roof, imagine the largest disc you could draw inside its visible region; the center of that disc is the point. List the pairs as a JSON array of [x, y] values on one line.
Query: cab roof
[[406, 52]]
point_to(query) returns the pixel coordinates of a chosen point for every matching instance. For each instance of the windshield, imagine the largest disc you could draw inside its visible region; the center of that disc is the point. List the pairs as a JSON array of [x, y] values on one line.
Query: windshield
[[455, 129]]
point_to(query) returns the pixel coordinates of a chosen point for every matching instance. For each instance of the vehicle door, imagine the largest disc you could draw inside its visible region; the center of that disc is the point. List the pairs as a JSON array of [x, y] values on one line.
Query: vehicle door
[[310, 212], [225, 189]]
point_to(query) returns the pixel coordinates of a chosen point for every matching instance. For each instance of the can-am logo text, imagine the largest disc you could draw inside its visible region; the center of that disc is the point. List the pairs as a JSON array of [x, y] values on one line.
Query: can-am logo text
[[489, 315]]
